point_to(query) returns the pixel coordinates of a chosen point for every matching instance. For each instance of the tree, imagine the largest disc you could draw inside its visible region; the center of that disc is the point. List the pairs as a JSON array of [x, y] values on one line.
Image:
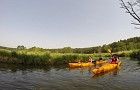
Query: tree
[[105, 48], [67, 50], [36, 49], [133, 8], [21, 47]]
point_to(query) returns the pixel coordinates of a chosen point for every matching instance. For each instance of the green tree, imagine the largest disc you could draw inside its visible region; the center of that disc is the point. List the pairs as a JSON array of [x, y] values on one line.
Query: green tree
[[21, 47], [67, 50]]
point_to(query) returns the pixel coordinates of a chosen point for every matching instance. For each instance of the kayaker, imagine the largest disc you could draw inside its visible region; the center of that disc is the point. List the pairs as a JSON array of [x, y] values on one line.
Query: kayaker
[[79, 61], [90, 59], [114, 59], [100, 59]]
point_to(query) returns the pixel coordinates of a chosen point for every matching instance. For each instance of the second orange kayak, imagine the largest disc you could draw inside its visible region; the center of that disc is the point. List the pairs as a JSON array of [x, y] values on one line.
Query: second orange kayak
[[80, 64]]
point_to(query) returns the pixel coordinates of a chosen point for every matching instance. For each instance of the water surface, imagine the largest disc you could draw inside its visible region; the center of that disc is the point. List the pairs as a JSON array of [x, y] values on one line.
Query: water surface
[[50, 78]]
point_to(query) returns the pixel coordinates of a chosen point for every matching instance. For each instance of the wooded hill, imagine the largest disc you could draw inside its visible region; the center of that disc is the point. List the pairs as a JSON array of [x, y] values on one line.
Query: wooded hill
[[122, 45]]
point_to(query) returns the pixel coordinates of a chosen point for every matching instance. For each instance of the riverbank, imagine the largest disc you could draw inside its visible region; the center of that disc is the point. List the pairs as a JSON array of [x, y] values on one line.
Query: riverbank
[[28, 57], [40, 57]]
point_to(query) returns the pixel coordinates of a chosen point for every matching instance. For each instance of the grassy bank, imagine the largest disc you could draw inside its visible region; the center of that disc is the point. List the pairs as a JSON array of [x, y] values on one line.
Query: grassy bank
[[43, 57], [37, 57]]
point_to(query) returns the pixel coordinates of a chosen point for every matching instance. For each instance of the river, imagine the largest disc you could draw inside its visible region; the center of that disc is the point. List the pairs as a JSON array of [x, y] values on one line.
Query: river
[[14, 77]]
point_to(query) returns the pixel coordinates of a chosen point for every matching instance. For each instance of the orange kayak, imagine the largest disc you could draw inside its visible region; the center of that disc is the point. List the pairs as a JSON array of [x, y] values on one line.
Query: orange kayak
[[105, 68], [88, 64], [81, 64], [101, 62]]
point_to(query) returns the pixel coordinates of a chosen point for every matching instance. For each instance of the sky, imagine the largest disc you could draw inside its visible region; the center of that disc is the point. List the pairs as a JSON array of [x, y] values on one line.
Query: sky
[[63, 23]]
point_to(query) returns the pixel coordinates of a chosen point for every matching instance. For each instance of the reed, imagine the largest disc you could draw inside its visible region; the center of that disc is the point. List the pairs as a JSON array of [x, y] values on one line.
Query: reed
[[45, 58], [135, 54]]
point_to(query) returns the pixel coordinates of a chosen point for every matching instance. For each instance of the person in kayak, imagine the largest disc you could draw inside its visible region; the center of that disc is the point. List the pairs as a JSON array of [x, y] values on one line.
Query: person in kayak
[[100, 59], [79, 61], [114, 59], [91, 60]]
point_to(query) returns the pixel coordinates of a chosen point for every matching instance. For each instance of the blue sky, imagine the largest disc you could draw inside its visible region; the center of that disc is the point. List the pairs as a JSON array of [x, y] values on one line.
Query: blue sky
[[62, 23]]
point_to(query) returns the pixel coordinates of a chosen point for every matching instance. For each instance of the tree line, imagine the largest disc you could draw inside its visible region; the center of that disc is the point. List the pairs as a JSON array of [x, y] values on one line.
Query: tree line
[[122, 45]]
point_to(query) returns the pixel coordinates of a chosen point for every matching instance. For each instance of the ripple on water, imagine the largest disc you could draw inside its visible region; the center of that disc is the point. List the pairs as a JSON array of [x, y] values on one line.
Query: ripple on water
[[127, 78]]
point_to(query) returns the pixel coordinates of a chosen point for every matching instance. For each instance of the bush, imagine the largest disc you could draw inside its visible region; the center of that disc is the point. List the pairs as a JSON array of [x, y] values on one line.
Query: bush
[[135, 54]]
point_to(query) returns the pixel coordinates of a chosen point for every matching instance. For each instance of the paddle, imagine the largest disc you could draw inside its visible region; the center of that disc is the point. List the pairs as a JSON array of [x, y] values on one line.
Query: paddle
[[110, 52]]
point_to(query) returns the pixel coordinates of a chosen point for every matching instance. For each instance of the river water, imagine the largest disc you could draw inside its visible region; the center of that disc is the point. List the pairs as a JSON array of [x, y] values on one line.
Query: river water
[[56, 78]]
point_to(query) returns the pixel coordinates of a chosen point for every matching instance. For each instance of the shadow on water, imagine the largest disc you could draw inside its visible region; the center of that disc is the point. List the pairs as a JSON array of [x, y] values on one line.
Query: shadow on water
[[13, 68], [81, 70]]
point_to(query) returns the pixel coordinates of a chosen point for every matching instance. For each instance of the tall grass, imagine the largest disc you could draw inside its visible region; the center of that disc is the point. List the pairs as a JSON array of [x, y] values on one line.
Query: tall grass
[[37, 57], [124, 53], [27, 57]]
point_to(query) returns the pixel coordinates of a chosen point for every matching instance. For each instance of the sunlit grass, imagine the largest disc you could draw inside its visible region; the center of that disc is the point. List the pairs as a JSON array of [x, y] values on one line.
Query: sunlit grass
[[37, 57]]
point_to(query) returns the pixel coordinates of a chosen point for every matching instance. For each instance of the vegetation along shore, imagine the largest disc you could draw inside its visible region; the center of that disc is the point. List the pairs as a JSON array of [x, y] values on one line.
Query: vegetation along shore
[[40, 56]]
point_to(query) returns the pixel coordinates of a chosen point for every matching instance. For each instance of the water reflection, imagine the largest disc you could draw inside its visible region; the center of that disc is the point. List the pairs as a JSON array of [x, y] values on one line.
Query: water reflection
[[14, 68], [63, 78]]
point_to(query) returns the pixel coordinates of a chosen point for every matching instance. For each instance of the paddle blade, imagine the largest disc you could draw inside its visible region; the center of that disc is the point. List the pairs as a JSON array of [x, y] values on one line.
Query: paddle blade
[[109, 50]]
